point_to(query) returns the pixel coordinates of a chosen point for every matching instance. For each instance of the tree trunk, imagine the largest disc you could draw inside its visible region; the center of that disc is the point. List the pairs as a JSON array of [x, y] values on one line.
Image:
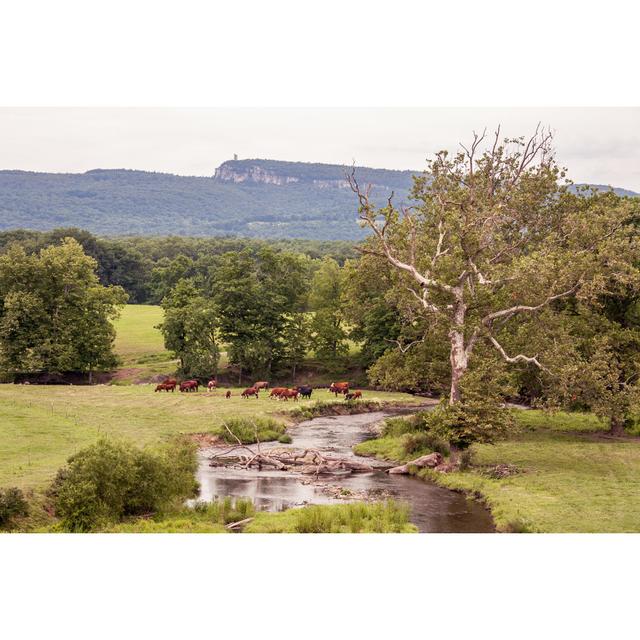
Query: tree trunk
[[617, 427], [459, 364], [293, 374]]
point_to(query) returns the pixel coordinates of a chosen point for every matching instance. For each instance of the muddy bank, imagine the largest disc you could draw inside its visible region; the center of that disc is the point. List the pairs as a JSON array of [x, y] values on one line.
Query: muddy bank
[[433, 508]]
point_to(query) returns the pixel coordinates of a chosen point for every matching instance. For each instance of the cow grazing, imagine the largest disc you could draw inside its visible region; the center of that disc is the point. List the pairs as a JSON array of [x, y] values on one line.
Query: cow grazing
[[263, 384], [228, 394], [162, 387], [289, 393], [251, 391], [353, 396], [189, 385], [211, 385], [305, 391], [276, 391], [339, 387]]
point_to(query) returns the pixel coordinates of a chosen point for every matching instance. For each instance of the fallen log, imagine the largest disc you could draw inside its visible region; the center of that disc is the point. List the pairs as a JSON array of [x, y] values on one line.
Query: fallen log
[[232, 526], [431, 461]]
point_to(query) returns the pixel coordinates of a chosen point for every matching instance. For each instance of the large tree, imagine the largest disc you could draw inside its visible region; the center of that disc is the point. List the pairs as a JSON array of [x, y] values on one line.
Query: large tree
[[256, 293], [325, 300], [494, 233], [189, 329], [55, 316]]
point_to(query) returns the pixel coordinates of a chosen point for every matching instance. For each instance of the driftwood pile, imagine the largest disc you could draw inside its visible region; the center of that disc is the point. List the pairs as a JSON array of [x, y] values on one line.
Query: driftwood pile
[[307, 461]]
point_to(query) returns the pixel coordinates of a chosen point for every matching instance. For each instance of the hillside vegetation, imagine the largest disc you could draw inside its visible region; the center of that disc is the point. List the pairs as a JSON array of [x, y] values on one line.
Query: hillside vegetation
[[117, 202], [251, 198]]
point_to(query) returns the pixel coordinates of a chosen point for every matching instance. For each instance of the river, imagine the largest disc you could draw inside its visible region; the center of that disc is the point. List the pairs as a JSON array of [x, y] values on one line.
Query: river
[[433, 508]]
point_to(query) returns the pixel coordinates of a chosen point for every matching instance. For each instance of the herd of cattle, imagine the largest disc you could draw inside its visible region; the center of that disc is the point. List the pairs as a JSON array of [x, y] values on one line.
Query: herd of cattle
[[277, 393]]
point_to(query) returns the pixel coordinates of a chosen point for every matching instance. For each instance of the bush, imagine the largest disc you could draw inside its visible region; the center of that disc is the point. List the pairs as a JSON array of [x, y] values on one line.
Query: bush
[[285, 439], [412, 443], [466, 460], [414, 434], [245, 430], [111, 480], [399, 426], [463, 424], [12, 504]]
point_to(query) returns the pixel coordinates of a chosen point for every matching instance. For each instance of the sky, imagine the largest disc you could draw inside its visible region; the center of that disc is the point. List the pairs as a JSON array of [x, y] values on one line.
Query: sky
[[598, 145]]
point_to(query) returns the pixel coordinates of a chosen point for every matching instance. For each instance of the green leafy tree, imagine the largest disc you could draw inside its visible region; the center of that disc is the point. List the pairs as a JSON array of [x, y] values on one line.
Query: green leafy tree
[[325, 299], [256, 293], [55, 316], [189, 329], [296, 339], [495, 235]]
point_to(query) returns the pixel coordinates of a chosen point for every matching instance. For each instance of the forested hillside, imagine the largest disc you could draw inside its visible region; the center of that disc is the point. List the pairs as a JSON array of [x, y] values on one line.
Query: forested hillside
[[249, 198], [261, 205]]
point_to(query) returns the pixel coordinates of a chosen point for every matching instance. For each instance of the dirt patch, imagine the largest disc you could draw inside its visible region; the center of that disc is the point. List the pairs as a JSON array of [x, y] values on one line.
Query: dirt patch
[[206, 440]]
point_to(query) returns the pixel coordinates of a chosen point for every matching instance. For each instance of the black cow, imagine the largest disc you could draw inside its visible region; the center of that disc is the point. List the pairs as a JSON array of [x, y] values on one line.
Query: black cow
[[305, 391]]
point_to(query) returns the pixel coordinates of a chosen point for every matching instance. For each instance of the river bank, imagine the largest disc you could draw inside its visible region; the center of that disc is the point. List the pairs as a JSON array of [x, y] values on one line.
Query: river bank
[[556, 474]]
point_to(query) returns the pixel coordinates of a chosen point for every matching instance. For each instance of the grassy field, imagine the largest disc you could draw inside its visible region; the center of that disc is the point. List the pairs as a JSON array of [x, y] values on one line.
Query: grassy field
[[40, 426], [571, 477], [140, 345], [136, 335]]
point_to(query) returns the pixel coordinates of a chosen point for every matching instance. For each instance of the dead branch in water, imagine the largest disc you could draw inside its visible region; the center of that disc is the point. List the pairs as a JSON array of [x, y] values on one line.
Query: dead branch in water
[[307, 461]]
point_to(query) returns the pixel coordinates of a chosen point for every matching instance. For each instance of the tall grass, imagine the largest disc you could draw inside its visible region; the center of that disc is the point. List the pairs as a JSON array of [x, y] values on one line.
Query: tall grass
[[358, 517]]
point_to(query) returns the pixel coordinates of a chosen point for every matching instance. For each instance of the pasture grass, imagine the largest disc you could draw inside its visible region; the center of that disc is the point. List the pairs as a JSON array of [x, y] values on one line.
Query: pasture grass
[[571, 477], [137, 339], [41, 426]]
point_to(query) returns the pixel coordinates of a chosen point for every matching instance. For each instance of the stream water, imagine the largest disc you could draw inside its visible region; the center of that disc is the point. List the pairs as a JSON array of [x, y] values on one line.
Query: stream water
[[433, 509]]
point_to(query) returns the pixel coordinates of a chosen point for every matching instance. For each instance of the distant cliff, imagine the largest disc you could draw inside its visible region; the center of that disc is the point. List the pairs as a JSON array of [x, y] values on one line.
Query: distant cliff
[[253, 198], [311, 173]]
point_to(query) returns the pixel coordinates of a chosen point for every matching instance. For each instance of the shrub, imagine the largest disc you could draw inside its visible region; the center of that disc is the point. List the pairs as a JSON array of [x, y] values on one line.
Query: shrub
[[110, 480], [246, 429], [463, 424], [466, 460], [399, 426], [12, 504], [285, 439], [413, 443]]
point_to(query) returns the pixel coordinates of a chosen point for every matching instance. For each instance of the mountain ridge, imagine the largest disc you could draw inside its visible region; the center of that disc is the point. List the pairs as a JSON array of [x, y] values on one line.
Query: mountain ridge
[[257, 198]]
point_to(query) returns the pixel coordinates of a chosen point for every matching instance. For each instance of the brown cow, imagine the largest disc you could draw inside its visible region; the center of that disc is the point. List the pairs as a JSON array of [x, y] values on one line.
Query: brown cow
[[339, 387], [289, 393], [276, 391], [251, 391], [164, 387], [189, 385], [263, 384], [228, 394], [353, 396], [211, 385]]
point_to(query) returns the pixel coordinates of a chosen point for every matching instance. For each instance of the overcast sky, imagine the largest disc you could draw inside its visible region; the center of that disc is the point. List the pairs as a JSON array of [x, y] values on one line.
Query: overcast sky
[[598, 145]]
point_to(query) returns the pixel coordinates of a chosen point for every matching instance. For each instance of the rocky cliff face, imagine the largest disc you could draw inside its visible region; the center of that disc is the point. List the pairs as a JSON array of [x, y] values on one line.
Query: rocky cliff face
[[227, 172], [283, 173]]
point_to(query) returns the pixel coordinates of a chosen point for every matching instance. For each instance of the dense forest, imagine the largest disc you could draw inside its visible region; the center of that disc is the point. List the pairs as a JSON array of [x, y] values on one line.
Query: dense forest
[[147, 267]]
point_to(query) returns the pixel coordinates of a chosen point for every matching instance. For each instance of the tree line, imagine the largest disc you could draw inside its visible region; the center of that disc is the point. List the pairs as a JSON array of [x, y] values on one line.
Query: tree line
[[500, 280]]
